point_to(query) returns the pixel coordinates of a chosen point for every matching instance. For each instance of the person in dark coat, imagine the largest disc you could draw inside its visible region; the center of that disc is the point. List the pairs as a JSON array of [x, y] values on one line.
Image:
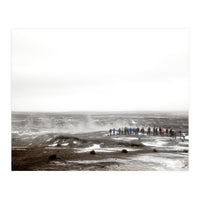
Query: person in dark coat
[[125, 131], [180, 134], [142, 130], [137, 131], [149, 131], [170, 132], [160, 130], [167, 131]]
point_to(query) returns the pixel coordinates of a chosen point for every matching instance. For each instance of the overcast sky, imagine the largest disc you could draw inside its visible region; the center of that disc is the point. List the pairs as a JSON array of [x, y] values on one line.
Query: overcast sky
[[99, 70]]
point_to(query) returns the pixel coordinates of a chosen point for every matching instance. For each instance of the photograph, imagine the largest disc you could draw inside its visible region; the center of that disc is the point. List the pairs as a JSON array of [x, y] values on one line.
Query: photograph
[[100, 99]]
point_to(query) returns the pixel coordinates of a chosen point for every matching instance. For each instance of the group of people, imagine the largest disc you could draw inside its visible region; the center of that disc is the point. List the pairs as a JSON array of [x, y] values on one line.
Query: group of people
[[155, 131]]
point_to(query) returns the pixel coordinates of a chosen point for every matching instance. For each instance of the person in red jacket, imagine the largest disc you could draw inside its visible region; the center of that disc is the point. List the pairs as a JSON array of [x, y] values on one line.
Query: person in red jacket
[[162, 131], [174, 134]]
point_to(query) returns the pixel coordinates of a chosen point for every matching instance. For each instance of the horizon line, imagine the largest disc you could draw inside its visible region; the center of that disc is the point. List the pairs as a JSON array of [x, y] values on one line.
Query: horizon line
[[101, 111]]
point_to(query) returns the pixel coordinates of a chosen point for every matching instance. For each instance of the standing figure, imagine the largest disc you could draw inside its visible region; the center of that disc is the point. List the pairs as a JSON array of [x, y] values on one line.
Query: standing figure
[[170, 132], [167, 131], [180, 134], [162, 131], [137, 130], [183, 135], [125, 131], [149, 131], [134, 131], [174, 134], [113, 131]]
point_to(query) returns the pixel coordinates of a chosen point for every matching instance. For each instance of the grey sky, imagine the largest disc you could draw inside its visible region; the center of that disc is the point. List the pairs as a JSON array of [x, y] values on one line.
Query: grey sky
[[99, 69]]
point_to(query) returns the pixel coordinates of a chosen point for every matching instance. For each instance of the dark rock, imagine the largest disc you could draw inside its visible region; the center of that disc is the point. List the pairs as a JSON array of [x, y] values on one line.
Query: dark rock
[[124, 151], [155, 150], [92, 152], [52, 157]]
